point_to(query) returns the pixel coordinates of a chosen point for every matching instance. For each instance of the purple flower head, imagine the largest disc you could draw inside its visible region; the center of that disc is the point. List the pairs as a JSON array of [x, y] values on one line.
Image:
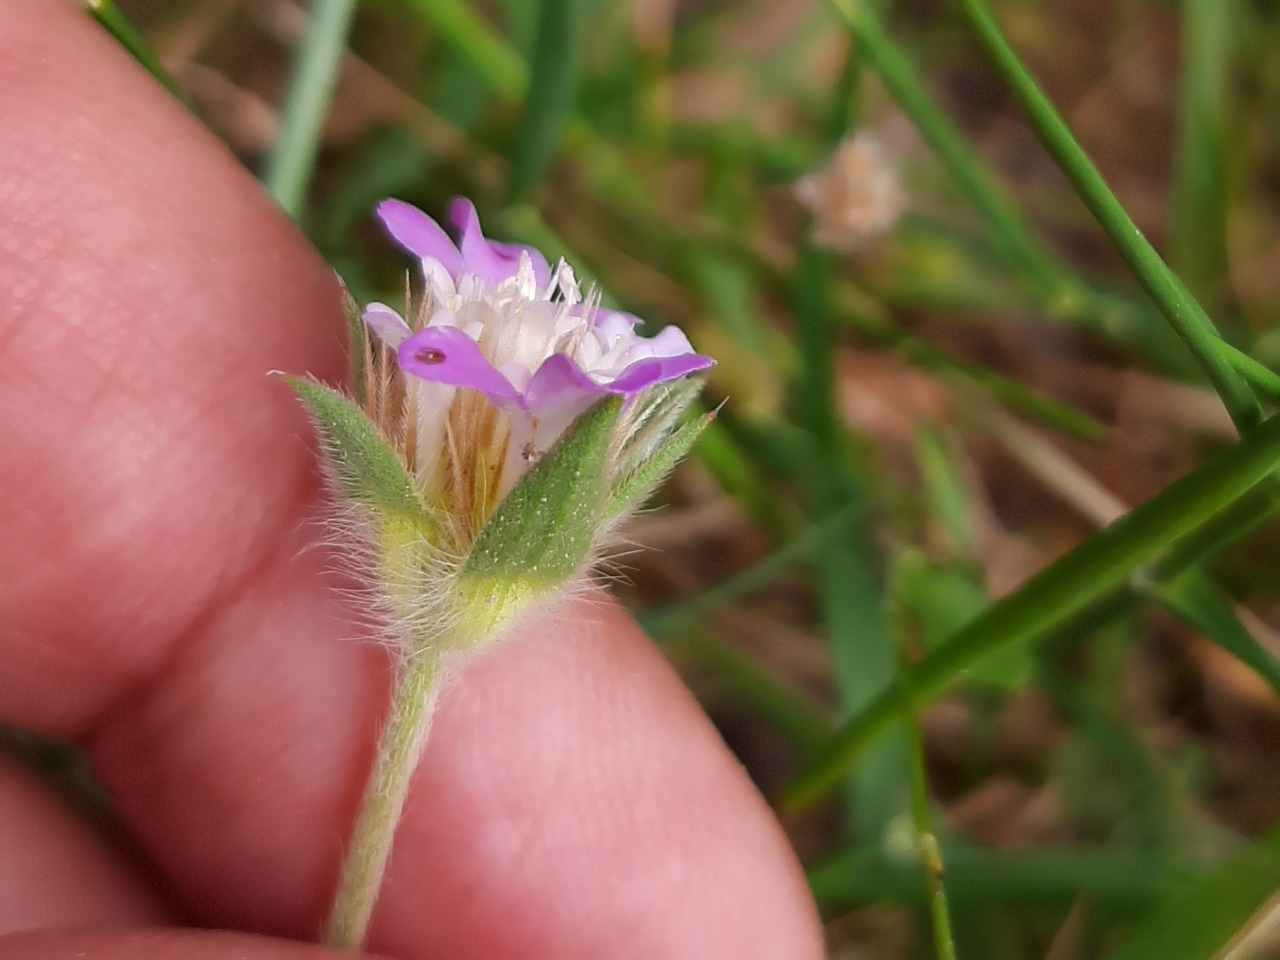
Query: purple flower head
[[497, 319]]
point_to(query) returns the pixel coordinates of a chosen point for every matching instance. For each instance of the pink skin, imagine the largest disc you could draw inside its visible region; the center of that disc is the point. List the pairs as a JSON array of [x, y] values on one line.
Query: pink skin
[[161, 603]]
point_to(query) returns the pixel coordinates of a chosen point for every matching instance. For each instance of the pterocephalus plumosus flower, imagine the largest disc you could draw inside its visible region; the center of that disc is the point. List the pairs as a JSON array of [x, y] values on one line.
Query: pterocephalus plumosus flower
[[494, 439]]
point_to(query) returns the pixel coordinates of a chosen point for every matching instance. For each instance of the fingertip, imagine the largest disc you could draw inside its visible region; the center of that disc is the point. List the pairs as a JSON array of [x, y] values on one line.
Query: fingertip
[[57, 870], [156, 944]]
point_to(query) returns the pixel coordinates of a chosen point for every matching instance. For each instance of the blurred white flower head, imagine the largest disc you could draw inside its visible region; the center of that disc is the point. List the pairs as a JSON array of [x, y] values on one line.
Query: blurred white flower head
[[855, 197]]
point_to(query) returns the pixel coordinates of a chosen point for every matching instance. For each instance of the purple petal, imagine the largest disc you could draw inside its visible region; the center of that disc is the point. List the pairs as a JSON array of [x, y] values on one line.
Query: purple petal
[[651, 370], [559, 382], [491, 261], [604, 317], [388, 325], [420, 235], [613, 327], [670, 341], [447, 355]]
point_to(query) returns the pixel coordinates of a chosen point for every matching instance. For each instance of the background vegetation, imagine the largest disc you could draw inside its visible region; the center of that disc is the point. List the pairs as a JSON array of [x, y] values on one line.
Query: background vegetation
[[976, 566]]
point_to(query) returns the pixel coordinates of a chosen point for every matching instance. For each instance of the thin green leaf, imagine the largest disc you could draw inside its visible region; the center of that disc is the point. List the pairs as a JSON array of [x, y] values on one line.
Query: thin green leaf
[[1192, 596], [1056, 287], [549, 100], [476, 41], [1066, 587], [1198, 220], [946, 495], [975, 876], [1194, 599], [931, 861], [127, 35], [799, 716], [665, 620], [944, 600], [1263, 379], [1017, 396], [854, 604], [1204, 917], [900, 77], [1179, 307], [315, 76]]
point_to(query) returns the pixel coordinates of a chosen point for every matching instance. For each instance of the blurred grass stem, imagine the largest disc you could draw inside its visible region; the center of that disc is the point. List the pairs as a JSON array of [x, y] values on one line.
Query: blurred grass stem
[[903, 81], [930, 852], [292, 159], [548, 102], [476, 42], [115, 22], [1198, 214]]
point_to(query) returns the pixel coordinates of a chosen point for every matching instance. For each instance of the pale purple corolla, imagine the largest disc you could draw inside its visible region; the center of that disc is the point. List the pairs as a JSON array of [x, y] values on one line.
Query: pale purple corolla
[[498, 319]]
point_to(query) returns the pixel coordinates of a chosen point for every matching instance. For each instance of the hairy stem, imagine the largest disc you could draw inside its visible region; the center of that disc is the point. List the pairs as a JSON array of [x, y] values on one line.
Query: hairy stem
[[399, 748]]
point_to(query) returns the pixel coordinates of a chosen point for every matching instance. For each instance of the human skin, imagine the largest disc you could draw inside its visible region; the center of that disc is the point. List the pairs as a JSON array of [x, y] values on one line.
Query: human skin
[[164, 604]]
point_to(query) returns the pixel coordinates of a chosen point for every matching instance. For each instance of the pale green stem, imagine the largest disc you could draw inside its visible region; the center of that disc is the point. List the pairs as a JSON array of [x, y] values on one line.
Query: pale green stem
[[930, 852], [399, 749]]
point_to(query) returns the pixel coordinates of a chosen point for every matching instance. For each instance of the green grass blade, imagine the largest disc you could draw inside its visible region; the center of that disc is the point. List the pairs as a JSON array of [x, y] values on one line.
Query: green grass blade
[[127, 35], [854, 605], [931, 862], [1182, 311], [1198, 221], [732, 466], [943, 600], [521, 20], [1014, 394], [1194, 599], [945, 493], [1034, 878], [1066, 587], [1207, 917], [293, 158], [478, 43], [664, 620], [797, 715], [549, 101], [900, 77], [856, 619], [1192, 596], [1260, 377]]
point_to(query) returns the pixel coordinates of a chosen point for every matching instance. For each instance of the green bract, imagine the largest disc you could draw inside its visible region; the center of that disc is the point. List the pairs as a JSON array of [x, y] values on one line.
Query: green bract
[[544, 530], [367, 468], [541, 535]]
